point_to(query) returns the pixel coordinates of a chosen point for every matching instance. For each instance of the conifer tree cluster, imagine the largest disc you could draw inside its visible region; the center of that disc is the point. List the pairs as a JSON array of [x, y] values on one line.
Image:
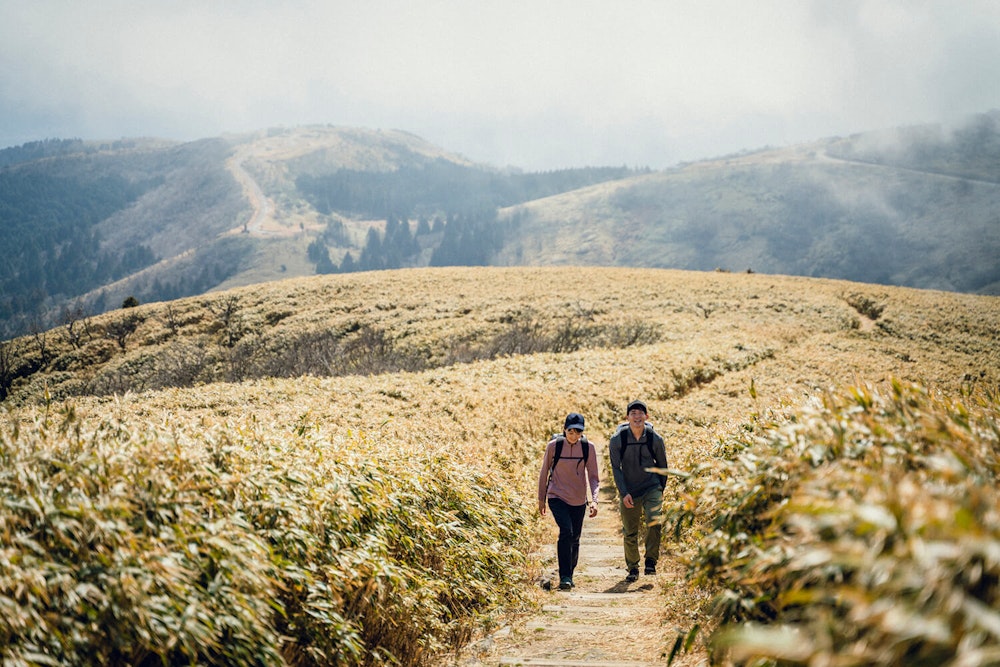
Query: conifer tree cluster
[[470, 239]]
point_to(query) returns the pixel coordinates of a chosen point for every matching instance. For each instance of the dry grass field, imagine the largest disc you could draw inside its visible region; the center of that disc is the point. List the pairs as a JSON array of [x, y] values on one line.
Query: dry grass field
[[369, 443]]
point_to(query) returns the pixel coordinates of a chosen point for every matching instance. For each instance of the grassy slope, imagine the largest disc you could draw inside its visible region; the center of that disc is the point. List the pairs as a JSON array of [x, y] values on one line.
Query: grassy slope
[[791, 337]]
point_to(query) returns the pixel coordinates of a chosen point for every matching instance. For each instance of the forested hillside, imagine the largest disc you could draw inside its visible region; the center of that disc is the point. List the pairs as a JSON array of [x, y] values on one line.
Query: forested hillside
[[53, 246], [87, 224], [426, 190], [89, 215]]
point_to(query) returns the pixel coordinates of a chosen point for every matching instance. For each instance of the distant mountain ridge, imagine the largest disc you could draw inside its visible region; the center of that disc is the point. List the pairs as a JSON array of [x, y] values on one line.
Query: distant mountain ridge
[[915, 207], [86, 224]]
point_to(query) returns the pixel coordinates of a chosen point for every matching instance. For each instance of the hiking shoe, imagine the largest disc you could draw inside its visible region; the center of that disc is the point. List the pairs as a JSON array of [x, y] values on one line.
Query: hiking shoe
[[650, 566], [565, 584], [633, 574]]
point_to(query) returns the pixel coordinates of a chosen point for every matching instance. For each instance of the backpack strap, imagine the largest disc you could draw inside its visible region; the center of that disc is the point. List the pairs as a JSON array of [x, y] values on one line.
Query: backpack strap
[[560, 439], [623, 441]]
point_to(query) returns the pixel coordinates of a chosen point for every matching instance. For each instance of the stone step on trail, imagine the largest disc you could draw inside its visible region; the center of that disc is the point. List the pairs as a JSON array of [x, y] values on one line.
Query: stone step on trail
[[546, 626], [549, 662]]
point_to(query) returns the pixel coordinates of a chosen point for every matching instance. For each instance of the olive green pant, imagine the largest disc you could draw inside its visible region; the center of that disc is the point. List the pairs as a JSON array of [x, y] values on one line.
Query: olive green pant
[[650, 504]]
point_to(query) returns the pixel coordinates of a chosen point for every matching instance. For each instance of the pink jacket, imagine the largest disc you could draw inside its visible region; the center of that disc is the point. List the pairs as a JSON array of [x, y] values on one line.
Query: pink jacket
[[570, 477]]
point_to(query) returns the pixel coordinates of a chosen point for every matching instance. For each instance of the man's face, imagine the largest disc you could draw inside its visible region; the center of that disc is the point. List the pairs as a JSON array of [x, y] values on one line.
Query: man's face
[[636, 417]]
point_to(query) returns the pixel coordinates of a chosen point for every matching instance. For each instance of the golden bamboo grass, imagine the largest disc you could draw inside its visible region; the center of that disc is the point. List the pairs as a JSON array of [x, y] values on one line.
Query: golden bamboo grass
[[418, 476], [865, 531]]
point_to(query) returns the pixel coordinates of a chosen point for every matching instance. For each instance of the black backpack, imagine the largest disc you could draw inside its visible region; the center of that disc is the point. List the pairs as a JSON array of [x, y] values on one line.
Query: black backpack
[[560, 440], [647, 436]]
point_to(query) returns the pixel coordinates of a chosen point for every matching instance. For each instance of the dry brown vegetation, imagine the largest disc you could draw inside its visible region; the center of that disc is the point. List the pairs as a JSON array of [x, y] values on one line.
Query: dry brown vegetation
[[313, 424], [862, 530]]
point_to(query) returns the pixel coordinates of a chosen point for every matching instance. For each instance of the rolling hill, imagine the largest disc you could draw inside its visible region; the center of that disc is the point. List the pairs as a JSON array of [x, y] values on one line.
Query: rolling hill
[[84, 225], [909, 208], [417, 320]]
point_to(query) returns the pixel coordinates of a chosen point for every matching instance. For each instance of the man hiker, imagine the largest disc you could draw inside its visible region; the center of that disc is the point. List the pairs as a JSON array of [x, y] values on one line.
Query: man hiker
[[633, 448], [568, 468]]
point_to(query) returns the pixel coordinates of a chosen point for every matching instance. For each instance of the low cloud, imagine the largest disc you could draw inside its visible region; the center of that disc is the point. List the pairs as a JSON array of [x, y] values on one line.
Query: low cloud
[[539, 85]]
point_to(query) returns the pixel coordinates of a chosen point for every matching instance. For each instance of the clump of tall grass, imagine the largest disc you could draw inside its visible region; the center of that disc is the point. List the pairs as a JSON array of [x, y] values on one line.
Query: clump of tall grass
[[238, 544], [866, 530]]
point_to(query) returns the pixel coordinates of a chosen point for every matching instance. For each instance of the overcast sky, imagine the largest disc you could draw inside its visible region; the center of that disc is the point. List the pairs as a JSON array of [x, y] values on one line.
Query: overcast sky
[[536, 84]]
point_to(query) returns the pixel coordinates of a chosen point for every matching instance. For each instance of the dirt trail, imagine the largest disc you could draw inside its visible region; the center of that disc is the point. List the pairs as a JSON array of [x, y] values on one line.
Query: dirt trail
[[604, 621], [263, 209]]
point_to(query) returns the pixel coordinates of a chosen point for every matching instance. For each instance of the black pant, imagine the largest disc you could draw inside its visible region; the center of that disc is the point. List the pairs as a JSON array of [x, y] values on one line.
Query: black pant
[[569, 518]]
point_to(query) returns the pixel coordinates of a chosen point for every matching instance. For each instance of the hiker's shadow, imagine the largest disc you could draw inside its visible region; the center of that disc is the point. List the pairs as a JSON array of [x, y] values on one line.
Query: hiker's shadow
[[626, 586]]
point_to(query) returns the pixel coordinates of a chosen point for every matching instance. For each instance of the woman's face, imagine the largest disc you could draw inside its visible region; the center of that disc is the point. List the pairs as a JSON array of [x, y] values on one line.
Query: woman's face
[[573, 434]]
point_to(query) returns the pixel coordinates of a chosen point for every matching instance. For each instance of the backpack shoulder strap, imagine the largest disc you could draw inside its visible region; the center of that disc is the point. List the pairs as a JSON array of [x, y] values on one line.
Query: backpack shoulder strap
[[560, 439], [648, 435], [622, 442], [585, 445]]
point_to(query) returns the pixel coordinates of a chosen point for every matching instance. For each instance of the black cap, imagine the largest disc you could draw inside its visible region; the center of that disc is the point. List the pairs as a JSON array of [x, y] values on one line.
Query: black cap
[[573, 420], [636, 405]]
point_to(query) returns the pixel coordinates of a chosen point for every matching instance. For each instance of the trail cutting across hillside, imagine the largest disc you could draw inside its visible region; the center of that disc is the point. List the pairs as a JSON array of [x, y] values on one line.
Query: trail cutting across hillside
[[261, 204], [824, 156]]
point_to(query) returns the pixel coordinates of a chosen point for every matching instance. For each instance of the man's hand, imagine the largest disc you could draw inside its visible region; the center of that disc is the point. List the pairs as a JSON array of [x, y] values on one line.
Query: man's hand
[[628, 502]]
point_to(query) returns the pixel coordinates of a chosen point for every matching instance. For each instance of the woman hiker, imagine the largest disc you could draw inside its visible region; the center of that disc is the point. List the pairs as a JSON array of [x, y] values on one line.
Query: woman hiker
[[568, 468]]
